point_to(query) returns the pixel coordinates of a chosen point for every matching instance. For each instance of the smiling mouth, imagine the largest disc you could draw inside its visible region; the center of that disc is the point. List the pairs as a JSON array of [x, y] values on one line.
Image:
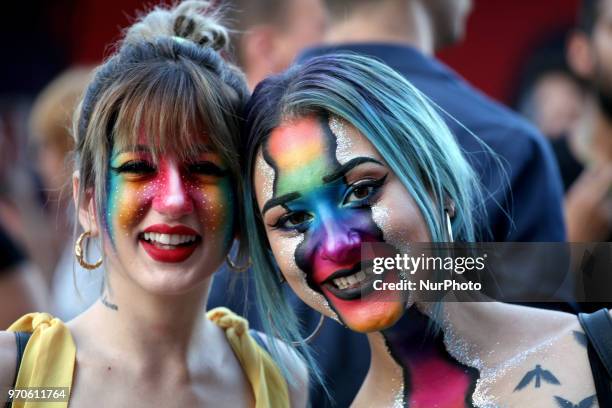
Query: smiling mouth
[[353, 283], [169, 241], [169, 244]]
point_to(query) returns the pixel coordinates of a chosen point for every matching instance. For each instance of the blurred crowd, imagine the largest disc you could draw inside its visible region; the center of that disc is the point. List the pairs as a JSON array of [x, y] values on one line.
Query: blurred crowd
[[564, 88]]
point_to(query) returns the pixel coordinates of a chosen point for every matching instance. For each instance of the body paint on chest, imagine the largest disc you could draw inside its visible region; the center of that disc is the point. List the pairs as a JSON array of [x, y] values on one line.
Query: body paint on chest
[[432, 377]]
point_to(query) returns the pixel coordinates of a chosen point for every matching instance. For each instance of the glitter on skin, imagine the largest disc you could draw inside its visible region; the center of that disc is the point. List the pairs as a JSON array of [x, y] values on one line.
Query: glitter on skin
[[398, 400], [343, 142], [314, 298], [268, 174], [466, 354], [381, 217], [398, 385]]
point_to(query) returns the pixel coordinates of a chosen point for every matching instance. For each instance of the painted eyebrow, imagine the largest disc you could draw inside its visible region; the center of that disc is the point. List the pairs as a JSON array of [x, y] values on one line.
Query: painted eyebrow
[[348, 166], [273, 202]]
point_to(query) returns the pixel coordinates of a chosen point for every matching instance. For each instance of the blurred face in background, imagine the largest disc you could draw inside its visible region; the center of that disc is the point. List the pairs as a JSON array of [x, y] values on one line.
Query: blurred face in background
[[303, 26], [50, 123], [556, 104], [270, 40]]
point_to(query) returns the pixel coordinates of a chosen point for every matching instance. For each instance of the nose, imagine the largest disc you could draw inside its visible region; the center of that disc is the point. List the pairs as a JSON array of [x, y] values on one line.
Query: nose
[[171, 197], [340, 243]]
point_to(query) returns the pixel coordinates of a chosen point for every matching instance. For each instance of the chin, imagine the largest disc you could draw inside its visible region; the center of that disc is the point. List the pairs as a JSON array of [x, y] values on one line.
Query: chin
[[372, 316], [166, 280]]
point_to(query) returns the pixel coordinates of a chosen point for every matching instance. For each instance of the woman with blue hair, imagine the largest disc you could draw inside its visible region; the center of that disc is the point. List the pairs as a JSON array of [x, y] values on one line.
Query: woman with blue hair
[[342, 151]]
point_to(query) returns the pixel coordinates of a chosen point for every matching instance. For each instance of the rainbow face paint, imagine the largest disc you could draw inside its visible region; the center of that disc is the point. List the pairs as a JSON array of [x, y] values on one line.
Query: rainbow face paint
[[328, 205], [170, 207]]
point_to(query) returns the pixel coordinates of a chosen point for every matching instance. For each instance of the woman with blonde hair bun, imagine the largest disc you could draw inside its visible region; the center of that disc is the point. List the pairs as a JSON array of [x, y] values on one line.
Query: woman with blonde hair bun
[[156, 187]]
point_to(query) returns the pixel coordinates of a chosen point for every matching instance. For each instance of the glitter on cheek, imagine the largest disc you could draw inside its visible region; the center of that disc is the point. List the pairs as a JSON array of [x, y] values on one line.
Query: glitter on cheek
[[343, 143], [126, 205], [267, 172], [382, 215], [132, 203], [314, 298], [214, 206]]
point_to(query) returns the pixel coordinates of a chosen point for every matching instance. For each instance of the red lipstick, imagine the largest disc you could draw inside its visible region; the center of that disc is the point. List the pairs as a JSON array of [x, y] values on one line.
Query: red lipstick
[[170, 253], [167, 229]]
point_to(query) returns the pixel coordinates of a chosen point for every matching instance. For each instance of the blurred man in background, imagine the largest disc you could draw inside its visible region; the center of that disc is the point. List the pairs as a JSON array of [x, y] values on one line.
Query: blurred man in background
[[405, 34], [270, 33], [585, 155]]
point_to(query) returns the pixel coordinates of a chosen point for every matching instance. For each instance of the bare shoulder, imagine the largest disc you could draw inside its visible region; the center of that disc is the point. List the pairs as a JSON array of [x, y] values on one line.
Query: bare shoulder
[[552, 371], [8, 359], [298, 384]]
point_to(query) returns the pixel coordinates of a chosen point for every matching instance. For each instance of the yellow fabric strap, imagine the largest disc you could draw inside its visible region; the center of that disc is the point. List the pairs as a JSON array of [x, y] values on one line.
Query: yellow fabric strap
[[269, 386], [48, 359]]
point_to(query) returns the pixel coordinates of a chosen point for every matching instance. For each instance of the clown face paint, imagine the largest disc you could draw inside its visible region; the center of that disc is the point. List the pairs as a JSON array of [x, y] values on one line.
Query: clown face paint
[[170, 222], [325, 205]]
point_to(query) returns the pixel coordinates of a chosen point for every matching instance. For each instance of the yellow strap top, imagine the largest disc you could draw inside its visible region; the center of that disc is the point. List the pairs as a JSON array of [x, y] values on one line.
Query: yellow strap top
[[49, 357], [269, 385]]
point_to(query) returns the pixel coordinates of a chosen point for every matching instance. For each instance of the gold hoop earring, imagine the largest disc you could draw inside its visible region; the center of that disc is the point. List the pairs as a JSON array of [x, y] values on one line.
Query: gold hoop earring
[[236, 267], [79, 252], [449, 227]]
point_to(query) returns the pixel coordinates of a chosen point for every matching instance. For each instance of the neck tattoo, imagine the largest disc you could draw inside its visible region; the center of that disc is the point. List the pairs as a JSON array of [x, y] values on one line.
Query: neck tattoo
[[108, 304]]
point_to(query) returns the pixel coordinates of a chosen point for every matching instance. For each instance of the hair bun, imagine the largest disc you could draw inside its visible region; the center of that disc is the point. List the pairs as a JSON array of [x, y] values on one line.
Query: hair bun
[[192, 20]]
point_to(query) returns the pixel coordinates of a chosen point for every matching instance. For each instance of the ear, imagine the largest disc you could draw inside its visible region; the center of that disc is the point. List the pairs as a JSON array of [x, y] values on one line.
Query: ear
[[579, 55], [85, 208]]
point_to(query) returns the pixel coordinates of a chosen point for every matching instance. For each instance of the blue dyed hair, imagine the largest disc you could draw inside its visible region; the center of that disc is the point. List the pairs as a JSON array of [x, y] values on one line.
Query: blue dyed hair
[[395, 117]]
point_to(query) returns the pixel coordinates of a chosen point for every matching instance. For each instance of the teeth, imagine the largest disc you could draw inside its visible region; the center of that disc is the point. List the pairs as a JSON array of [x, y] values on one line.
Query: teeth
[[168, 239], [347, 281]]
